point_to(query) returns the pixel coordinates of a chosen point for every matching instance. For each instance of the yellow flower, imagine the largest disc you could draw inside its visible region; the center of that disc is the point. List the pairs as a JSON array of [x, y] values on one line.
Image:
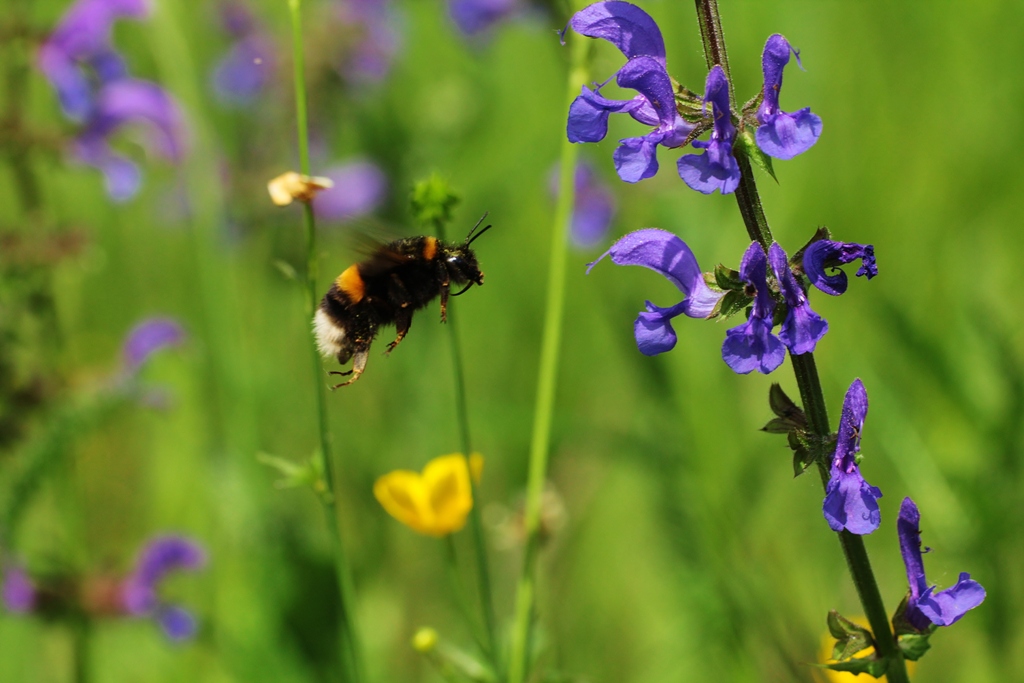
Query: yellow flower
[[435, 502]]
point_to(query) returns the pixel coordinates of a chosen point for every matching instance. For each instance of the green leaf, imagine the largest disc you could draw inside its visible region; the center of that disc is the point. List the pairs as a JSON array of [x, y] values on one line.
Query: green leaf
[[783, 406], [746, 144], [914, 646], [851, 638], [728, 279], [294, 475], [866, 665]]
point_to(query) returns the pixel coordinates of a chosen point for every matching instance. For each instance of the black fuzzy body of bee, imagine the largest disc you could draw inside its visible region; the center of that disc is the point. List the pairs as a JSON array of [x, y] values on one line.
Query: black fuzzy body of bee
[[398, 279]]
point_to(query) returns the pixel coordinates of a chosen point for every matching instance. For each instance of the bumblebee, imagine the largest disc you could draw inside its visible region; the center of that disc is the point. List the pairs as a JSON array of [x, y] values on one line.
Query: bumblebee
[[397, 279]]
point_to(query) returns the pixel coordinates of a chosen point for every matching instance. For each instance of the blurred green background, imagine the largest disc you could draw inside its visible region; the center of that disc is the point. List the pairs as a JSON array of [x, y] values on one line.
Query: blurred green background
[[687, 550]]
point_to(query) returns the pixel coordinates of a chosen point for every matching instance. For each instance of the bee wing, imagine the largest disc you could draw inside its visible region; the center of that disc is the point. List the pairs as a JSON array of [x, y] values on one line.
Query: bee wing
[[381, 257]]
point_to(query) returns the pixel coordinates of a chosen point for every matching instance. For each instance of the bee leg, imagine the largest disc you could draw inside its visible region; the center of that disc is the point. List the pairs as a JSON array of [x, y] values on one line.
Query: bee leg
[[358, 365], [444, 300], [403, 320]]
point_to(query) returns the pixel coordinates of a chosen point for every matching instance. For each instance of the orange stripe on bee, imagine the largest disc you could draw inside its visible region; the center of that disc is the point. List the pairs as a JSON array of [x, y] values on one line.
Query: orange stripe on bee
[[351, 283], [429, 248]]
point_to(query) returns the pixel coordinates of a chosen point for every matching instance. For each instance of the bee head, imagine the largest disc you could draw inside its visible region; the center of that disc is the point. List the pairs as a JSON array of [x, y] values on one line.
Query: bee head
[[462, 266]]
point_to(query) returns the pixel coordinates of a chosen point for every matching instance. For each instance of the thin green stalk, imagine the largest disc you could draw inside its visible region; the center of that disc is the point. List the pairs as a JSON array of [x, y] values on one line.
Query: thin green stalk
[[455, 582], [749, 202], [350, 654], [475, 519], [540, 444], [80, 652]]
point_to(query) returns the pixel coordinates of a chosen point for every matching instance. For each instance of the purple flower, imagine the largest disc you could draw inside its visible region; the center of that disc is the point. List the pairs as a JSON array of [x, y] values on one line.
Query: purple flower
[[476, 16], [593, 209], [359, 188], [119, 104], [161, 556], [148, 337], [827, 254], [716, 167], [242, 74], [18, 591], [850, 502], [924, 606], [752, 346], [377, 40], [781, 134], [80, 40], [633, 31], [802, 327], [664, 253]]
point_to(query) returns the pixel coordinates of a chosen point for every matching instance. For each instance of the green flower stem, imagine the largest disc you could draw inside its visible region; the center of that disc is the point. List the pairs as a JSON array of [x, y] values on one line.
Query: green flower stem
[[475, 519], [455, 583], [806, 372], [350, 652], [80, 632], [540, 444]]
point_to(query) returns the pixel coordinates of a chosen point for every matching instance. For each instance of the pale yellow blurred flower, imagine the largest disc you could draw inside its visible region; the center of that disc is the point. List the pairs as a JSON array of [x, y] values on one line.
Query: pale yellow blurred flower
[[291, 186], [435, 502]]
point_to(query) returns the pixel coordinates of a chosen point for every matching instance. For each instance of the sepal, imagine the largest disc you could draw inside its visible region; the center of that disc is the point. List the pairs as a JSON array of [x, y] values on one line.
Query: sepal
[[863, 665], [746, 144], [298, 474], [851, 638], [727, 279], [913, 646], [729, 305]]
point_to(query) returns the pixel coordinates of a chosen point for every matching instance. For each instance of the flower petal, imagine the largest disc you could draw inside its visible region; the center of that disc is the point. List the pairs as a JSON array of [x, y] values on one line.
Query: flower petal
[[403, 495], [752, 346], [150, 336], [661, 251], [802, 328], [649, 77], [851, 503], [446, 479], [789, 134], [588, 115], [177, 623], [624, 25], [851, 424], [653, 329], [636, 159], [946, 607]]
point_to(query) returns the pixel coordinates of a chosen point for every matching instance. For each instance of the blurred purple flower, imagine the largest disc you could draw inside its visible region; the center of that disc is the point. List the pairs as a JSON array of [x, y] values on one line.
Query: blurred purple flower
[[827, 254], [594, 206], [80, 42], [148, 337], [850, 502], [377, 41], [924, 606], [802, 328], [359, 188], [476, 16], [161, 556], [242, 74], [18, 591], [123, 103], [715, 168], [752, 346], [781, 134], [666, 254]]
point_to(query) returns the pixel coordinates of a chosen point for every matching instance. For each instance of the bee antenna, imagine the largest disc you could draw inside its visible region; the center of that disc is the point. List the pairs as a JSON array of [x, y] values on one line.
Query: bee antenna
[[470, 237], [469, 241]]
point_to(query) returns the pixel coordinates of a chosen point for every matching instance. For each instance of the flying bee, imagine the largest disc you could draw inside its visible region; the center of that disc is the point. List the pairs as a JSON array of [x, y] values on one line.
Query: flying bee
[[397, 279]]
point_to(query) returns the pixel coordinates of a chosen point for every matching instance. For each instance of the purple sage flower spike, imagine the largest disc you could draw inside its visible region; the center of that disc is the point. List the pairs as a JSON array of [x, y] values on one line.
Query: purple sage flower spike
[[666, 254], [850, 502], [139, 593], [827, 254], [924, 606], [83, 39], [359, 188], [473, 17], [242, 74], [634, 32], [148, 337], [802, 328], [593, 209], [374, 24], [18, 591], [781, 134], [715, 168], [752, 346]]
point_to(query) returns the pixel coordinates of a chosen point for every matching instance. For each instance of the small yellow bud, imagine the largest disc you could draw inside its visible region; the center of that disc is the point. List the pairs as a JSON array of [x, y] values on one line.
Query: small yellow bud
[[425, 640], [292, 186]]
